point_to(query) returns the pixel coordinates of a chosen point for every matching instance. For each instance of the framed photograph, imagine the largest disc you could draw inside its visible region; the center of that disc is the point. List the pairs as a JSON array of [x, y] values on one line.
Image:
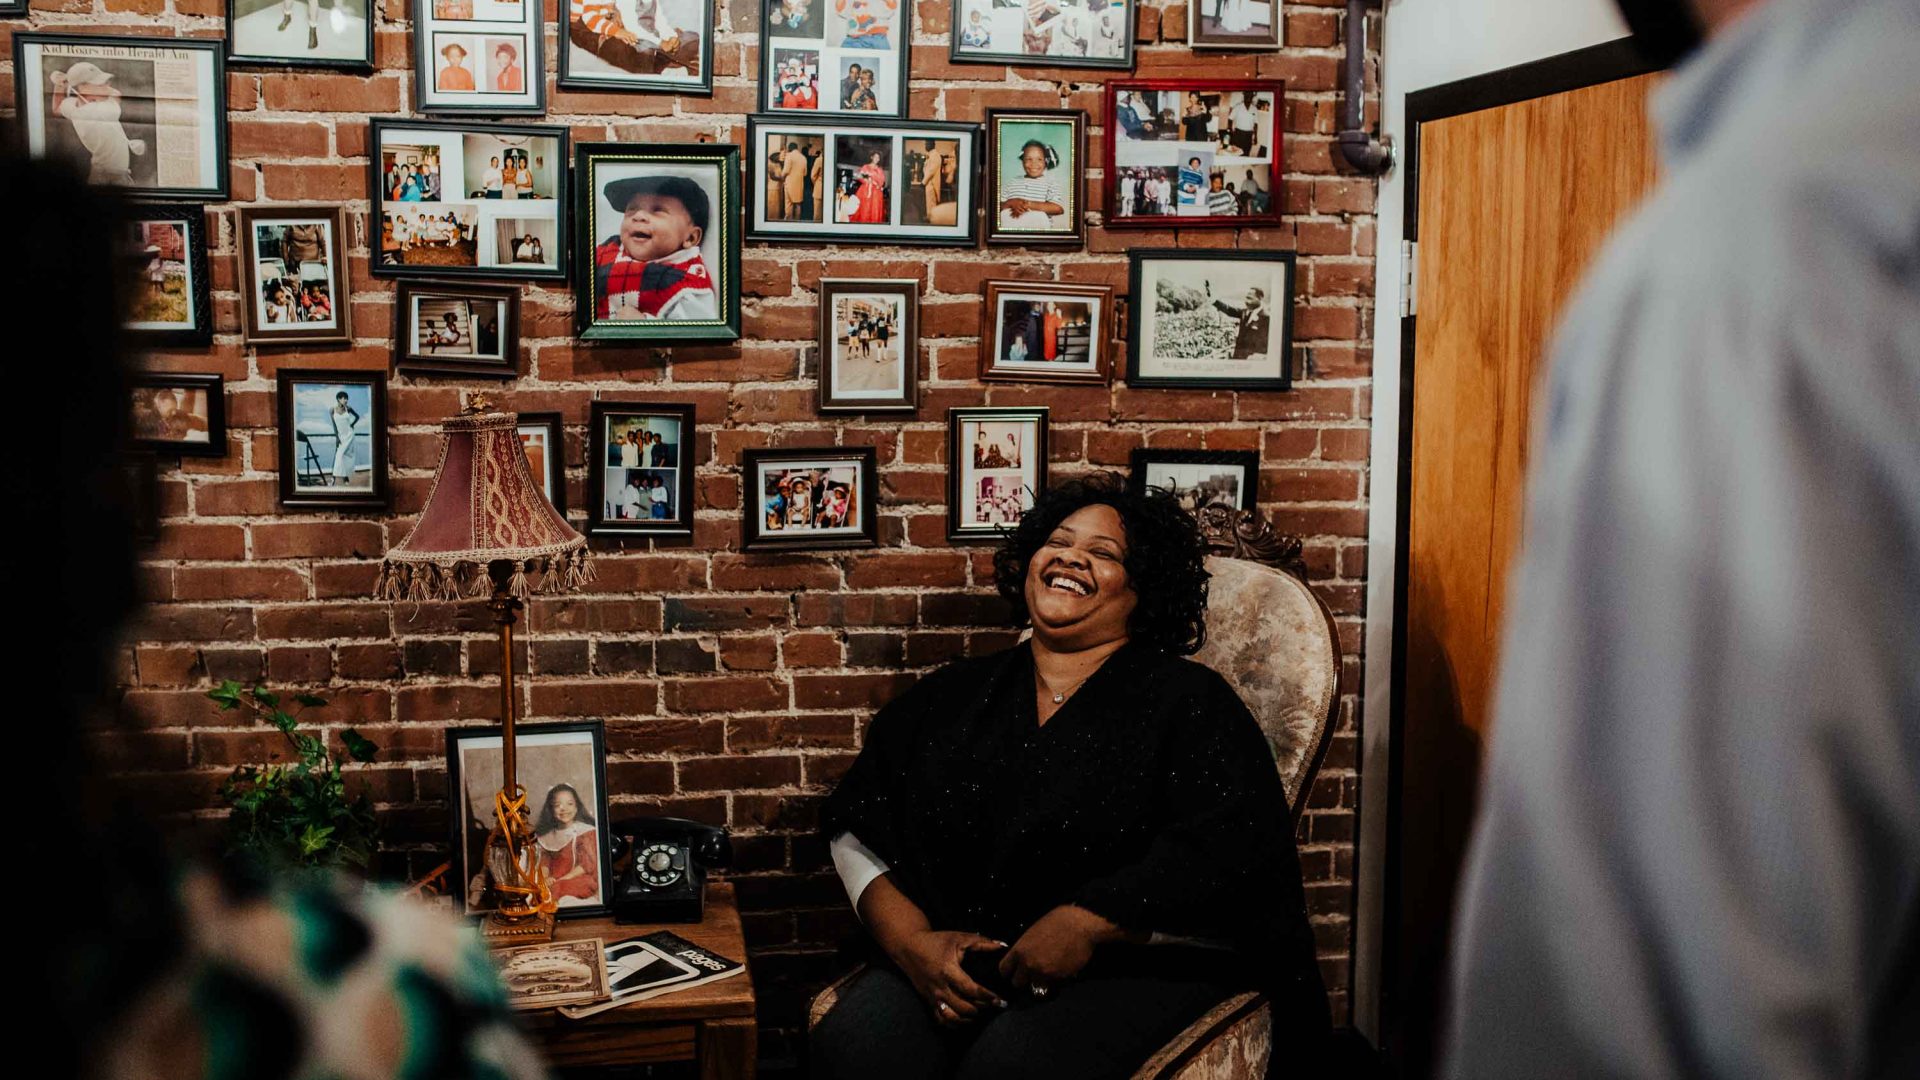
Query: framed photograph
[[668, 46], [1034, 182], [333, 439], [543, 434], [179, 414], [469, 199], [1219, 321], [294, 280], [660, 259], [479, 57], [1056, 33], [640, 461], [100, 101], [996, 466], [1197, 478], [1245, 25], [449, 329], [849, 181], [835, 56], [1196, 153], [300, 33], [563, 768], [796, 499], [171, 301], [1047, 331], [12, 7], [869, 345]]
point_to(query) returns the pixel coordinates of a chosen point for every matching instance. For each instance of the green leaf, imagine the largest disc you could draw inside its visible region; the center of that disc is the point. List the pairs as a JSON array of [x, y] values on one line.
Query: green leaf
[[358, 745], [315, 839], [264, 697], [310, 702], [226, 695]]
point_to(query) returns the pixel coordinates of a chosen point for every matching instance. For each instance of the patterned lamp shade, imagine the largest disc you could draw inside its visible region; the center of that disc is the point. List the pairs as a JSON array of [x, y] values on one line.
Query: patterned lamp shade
[[485, 508]]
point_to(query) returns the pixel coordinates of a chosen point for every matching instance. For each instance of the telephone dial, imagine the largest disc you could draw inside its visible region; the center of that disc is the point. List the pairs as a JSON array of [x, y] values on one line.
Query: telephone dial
[[665, 879]]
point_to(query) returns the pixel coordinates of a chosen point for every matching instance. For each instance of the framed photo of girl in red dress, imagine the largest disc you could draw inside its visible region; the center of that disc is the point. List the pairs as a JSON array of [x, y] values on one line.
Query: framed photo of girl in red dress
[[563, 769]]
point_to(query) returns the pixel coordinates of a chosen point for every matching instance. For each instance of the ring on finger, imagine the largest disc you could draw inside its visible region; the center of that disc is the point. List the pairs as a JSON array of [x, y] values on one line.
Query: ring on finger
[[944, 1008], [1039, 990]]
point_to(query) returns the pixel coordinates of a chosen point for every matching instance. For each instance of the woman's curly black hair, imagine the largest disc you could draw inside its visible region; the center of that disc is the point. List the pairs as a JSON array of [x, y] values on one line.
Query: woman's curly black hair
[[1165, 559]]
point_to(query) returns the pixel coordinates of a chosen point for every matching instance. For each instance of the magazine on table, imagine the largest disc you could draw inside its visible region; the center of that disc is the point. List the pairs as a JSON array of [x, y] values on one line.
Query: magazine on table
[[659, 963]]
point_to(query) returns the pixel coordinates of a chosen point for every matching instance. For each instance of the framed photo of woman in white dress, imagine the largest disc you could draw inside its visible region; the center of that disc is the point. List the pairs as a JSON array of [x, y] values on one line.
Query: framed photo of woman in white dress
[[1036, 163], [1244, 25], [333, 439]]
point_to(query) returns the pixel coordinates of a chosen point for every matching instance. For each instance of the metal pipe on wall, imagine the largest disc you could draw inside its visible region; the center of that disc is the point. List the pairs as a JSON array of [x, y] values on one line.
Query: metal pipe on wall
[[1357, 144]]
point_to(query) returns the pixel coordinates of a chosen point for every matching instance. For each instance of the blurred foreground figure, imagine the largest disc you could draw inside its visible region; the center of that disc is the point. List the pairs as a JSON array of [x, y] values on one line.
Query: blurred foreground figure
[[1698, 853]]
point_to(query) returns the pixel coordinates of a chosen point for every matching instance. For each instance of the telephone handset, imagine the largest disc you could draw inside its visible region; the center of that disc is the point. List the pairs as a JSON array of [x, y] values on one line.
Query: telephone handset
[[666, 874]]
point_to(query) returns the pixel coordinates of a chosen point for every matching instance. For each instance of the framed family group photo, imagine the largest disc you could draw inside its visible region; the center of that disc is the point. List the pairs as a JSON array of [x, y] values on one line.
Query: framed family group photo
[[563, 769], [293, 276], [469, 199], [805, 498], [300, 33], [179, 413], [479, 57], [869, 345], [852, 180], [1034, 184], [543, 436], [1235, 24], [1221, 321], [1056, 33], [147, 115], [835, 56], [660, 255], [668, 45], [1194, 152], [640, 469], [1047, 331], [1199, 478], [333, 445], [996, 466], [458, 329], [171, 301]]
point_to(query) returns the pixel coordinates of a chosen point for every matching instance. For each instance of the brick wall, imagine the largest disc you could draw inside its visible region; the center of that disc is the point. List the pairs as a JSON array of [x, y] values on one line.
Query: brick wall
[[734, 687]]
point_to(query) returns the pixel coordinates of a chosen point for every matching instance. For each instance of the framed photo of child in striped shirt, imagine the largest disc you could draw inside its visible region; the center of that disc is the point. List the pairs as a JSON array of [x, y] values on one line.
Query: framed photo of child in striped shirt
[[638, 45], [1036, 160]]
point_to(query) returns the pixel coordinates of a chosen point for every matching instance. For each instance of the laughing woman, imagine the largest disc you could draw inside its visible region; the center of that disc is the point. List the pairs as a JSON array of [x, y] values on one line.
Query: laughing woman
[[1110, 809]]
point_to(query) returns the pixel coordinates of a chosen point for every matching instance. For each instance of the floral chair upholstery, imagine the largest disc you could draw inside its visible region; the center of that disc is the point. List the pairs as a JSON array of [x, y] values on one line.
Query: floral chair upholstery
[[1271, 638]]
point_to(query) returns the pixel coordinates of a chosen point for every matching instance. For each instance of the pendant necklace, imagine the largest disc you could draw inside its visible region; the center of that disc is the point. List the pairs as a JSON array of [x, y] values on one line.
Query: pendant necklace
[[1059, 695]]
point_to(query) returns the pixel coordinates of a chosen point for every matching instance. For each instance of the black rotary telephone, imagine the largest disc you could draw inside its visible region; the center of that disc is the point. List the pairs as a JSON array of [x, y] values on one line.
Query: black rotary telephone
[[666, 878]]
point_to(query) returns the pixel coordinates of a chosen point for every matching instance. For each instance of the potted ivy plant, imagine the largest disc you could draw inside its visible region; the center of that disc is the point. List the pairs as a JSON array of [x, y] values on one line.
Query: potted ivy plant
[[296, 814]]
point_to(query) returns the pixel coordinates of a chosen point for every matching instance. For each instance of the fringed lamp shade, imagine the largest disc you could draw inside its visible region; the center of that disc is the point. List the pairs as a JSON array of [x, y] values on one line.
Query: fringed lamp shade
[[485, 508]]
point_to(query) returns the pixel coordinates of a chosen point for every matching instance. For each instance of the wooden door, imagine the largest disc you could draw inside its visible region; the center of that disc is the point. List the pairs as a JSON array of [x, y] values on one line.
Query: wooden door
[[1513, 203]]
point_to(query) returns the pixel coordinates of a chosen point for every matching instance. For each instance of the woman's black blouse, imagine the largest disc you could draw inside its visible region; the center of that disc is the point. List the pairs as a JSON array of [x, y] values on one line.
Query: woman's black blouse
[[1150, 798]]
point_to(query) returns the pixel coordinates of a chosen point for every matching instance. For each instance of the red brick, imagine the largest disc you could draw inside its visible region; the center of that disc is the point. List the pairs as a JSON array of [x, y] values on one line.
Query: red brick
[[739, 773]]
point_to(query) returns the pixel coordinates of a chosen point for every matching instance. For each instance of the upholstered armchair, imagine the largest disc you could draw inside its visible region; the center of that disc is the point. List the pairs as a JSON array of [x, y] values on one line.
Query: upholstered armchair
[[1274, 641]]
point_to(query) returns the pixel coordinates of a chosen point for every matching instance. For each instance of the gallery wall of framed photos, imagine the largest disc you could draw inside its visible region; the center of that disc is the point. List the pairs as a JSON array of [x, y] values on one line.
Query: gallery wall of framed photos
[[321, 214]]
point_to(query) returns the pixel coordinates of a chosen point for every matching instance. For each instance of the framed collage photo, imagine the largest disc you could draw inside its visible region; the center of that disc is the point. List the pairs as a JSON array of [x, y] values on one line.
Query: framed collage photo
[[100, 101], [179, 414], [333, 439], [869, 345], [669, 47], [1047, 332], [171, 301], [465, 329], [659, 254], [1197, 153], [469, 199], [1054, 33], [1244, 25], [835, 56], [1211, 321], [1199, 478], [563, 768], [1037, 162], [640, 461], [294, 279], [996, 466], [797, 499], [306, 33], [850, 181], [544, 437], [479, 57]]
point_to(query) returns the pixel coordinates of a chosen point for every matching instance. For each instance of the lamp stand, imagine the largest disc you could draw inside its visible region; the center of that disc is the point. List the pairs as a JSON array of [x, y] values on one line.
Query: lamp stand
[[517, 885]]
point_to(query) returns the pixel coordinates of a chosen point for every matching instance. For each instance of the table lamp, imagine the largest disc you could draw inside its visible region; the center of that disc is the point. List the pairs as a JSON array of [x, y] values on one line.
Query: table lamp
[[488, 530]]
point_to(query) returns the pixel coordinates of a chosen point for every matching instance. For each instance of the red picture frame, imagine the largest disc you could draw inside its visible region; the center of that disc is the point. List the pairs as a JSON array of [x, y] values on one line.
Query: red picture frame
[[1149, 174]]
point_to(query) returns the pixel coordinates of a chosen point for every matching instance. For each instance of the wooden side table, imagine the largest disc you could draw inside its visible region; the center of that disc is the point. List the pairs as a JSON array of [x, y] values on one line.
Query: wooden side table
[[712, 1024]]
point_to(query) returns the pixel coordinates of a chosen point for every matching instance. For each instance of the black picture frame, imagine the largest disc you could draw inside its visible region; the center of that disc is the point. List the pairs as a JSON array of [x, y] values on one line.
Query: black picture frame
[[242, 59], [595, 166], [387, 257], [259, 329], [32, 121], [756, 509], [213, 386], [834, 398], [192, 219], [972, 476], [996, 366], [1140, 478], [832, 137], [432, 33], [299, 456], [700, 85], [600, 448], [998, 126], [460, 837], [553, 425], [1199, 37], [413, 296], [780, 41], [1144, 320], [1120, 27], [10, 8], [1162, 145]]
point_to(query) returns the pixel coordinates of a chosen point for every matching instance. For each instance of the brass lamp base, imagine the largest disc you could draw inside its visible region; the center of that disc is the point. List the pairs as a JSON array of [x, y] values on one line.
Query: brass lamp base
[[498, 930]]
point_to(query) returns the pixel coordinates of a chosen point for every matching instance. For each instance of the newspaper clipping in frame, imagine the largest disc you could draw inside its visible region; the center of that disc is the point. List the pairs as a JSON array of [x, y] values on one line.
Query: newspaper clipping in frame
[[136, 116]]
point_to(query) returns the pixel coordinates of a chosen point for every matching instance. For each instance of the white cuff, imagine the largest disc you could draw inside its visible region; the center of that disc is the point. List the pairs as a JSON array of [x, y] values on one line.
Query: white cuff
[[857, 865]]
